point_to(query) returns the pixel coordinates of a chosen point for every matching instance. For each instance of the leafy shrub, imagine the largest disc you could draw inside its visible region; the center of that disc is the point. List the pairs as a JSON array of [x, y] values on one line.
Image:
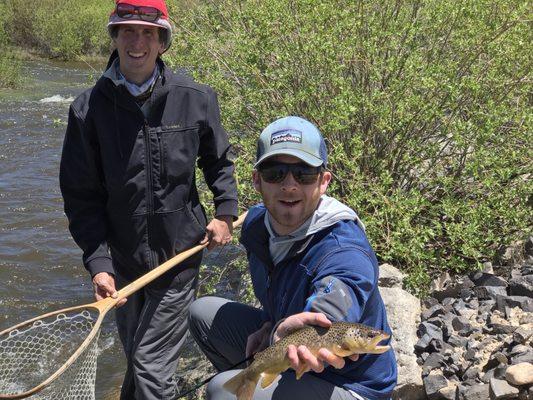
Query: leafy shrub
[[425, 107], [10, 75], [63, 29]]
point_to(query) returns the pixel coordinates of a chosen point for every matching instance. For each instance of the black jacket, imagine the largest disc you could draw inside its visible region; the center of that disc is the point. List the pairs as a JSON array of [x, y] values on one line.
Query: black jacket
[[128, 182]]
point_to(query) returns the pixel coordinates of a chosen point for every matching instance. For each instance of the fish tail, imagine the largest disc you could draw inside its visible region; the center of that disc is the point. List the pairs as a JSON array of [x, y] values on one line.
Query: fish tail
[[242, 385]]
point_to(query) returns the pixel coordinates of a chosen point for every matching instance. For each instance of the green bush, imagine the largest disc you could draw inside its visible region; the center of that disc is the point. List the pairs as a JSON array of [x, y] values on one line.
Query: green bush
[[10, 74], [65, 29], [425, 107]]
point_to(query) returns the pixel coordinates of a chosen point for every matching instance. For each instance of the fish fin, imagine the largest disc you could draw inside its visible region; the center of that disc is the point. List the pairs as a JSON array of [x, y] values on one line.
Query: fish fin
[[300, 372], [246, 392], [376, 350], [379, 350], [268, 378], [341, 352], [242, 385]]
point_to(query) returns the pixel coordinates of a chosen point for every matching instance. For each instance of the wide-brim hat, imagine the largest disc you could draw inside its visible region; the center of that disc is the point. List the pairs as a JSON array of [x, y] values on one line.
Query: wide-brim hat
[[161, 22]]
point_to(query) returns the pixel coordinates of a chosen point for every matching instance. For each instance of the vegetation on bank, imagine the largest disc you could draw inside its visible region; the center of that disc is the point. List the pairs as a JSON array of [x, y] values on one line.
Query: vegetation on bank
[[51, 28], [425, 104], [9, 65], [58, 29]]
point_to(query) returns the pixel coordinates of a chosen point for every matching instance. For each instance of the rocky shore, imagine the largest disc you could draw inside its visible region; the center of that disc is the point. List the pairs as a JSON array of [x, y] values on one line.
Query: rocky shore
[[471, 339], [476, 332]]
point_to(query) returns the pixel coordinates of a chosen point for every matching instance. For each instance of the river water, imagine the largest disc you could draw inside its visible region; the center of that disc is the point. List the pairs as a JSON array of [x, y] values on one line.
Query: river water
[[40, 265]]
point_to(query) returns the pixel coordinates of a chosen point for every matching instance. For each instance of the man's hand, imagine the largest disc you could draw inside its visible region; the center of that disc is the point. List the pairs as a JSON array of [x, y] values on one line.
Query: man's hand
[[104, 286], [258, 340], [301, 358], [219, 231]]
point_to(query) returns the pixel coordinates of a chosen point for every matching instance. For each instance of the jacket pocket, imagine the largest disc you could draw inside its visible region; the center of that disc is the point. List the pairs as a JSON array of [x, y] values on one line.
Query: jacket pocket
[[179, 150], [197, 215]]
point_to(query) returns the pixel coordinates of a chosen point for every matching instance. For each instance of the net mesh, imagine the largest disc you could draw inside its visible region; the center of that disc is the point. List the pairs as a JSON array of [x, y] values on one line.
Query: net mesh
[[31, 354]]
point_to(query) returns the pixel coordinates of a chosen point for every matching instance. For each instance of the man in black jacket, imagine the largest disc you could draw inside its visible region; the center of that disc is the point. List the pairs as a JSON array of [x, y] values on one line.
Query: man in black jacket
[[127, 177]]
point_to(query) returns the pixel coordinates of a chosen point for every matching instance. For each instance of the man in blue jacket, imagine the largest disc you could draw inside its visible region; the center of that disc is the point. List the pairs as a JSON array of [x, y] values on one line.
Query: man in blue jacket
[[310, 263]]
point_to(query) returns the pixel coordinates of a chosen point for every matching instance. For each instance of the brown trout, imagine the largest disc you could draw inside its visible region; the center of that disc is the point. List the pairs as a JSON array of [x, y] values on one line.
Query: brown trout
[[342, 339]]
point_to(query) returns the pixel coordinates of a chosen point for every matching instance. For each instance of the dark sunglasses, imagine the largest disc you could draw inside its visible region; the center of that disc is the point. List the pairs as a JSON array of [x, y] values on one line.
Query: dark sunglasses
[[145, 13], [275, 172]]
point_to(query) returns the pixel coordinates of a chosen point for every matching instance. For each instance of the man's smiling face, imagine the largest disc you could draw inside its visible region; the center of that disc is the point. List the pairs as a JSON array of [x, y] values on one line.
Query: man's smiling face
[[290, 203], [138, 48]]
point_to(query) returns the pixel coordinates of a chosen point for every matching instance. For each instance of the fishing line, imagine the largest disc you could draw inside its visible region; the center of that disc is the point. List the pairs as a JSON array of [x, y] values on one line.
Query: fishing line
[[198, 386]]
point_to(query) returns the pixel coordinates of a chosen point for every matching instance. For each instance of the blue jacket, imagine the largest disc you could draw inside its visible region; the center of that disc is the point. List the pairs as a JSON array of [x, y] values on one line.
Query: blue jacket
[[333, 271]]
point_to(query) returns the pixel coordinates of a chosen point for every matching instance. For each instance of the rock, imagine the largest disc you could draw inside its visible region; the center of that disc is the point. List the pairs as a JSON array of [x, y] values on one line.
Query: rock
[[488, 268], [403, 312], [489, 292], [430, 302], [523, 358], [443, 287], [501, 328], [523, 395], [498, 373], [484, 279], [407, 392], [467, 312], [458, 341], [521, 286], [523, 333], [523, 302], [390, 277], [441, 282], [434, 360], [470, 373], [477, 392], [449, 392], [432, 312], [470, 355], [432, 385], [460, 323], [422, 343], [500, 390], [511, 255], [520, 374], [528, 246], [426, 328], [450, 370]]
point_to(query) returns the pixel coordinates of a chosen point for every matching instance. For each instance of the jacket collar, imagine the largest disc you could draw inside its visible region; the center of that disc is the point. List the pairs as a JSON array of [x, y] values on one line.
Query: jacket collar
[[121, 96], [255, 238]]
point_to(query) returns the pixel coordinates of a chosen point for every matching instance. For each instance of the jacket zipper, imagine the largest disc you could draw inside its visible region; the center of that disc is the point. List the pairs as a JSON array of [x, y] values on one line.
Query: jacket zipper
[[149, 198], [269, 293]]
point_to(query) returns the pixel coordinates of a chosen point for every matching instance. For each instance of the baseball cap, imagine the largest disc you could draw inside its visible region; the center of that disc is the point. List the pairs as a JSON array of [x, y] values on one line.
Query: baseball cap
[[162, 21], [293, 136]]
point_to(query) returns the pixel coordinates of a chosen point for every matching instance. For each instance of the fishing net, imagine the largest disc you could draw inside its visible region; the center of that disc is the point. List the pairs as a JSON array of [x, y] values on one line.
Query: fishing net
[[53, 356], [40, 350]]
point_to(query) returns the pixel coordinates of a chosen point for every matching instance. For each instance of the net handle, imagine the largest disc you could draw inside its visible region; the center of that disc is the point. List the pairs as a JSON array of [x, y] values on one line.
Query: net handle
[[167, 265], [103, 306]]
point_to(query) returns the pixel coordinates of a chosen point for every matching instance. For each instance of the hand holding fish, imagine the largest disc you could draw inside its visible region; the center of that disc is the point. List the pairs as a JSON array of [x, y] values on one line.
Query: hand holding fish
[[300, 357], [259, 340], [326, 341]]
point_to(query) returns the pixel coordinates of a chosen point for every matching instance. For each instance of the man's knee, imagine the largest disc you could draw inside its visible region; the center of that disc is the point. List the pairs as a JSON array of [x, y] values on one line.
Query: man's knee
[[215, 389], [202, 312]]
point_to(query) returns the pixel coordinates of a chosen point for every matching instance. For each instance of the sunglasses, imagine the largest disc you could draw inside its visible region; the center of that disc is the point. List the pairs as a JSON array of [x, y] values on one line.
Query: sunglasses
[[275, 172], [145, 13]]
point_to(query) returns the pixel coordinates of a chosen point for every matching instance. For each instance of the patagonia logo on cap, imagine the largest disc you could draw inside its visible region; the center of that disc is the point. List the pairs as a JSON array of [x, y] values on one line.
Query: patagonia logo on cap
[[286, 135]]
